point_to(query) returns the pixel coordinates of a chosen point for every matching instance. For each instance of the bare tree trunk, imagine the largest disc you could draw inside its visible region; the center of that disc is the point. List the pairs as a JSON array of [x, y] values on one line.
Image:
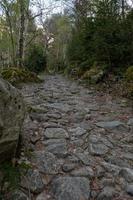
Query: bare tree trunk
[[5, 5], [25, 36], [26, 25], [12, 38], [21, 33]]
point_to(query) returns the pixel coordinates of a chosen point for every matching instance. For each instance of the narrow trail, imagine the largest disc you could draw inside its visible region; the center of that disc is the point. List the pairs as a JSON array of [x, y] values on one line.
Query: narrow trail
[[79, 143]]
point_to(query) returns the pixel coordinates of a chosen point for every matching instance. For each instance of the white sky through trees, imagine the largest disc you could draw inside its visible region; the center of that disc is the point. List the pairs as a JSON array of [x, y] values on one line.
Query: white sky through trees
[[45, 8], [52, 6]]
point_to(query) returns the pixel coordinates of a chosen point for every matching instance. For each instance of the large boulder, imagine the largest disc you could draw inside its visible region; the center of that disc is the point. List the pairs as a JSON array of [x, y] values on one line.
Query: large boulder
[[12, 112]]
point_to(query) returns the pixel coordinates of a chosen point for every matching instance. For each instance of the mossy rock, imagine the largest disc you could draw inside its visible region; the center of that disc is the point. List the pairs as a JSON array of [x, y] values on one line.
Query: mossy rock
[[93, 75], [17, 75], [129, 74]]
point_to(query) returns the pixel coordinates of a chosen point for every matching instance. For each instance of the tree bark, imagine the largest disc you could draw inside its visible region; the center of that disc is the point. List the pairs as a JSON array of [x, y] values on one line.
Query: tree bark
[[21, 34], [6, 8]]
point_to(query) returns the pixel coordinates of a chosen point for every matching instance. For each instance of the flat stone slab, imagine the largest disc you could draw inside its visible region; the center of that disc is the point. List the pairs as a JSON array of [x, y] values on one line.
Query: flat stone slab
[[59, 149], [58, 106], [56, 133], [127, 174], [67, 167], [49, 142], [77, 132], [109, 124], [98, 149], [107, 194], [46, 162], [71, 188], [85, 158], [83, 172]]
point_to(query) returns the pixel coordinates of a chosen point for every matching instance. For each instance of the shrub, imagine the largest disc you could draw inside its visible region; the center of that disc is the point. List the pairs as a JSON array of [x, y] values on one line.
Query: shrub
[[36, 59]]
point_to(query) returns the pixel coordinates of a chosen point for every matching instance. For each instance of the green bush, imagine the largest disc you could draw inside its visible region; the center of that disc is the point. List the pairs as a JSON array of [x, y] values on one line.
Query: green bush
[[36, 59]]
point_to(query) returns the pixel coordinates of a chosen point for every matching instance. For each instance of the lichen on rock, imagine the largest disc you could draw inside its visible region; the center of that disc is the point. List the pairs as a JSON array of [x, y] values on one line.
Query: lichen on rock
[[12, 112]]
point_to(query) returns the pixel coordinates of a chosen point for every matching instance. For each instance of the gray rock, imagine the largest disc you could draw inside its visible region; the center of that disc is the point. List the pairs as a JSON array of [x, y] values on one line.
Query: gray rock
[[77, 132], [39, 109], [100, 139], [54, 115], [83, 171], [84, 158], [127, 174], [78, 117], [59, 106], [116, 160], [56, 133], [19, 195], [49, 142], [114, 169], [71, 188], [73, 159], [128, 155], [129, 189], [107, 194], [67, 167], [100, 172], [88, 117], [98, 149], [108, 182], [46, 161], [39, 117], [130, 122], [77, 142], [33, 181], [59, 149], [94, 194], [12, 112], [43, 196], [109, 124]]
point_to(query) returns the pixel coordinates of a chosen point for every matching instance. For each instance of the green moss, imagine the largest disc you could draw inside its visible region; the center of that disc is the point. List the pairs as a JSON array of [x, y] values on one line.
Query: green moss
[[129, 74], [16, 75], [93, 75]]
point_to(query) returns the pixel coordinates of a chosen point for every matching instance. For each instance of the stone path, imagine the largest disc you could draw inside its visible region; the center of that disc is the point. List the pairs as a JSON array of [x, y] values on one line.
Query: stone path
[[78, 143]]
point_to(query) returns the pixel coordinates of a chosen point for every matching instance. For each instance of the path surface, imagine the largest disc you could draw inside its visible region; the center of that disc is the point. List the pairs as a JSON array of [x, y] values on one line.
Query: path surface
[[81, 143]]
